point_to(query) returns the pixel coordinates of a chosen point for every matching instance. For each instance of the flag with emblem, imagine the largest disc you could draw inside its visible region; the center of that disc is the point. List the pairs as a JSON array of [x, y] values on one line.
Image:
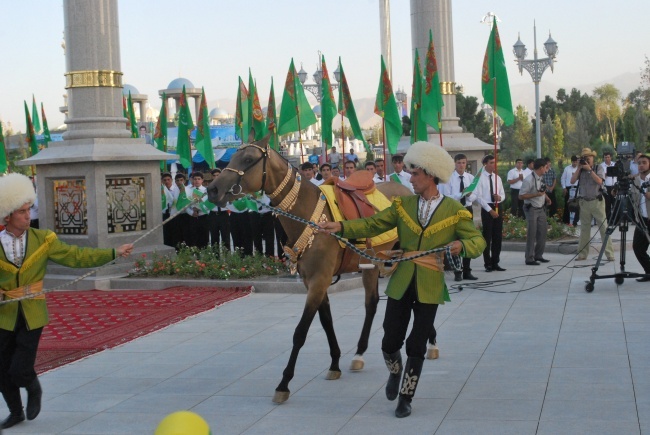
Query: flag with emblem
[[327, 106], [30, 135], [160, 133], [255, 114], [494, 78], [431, 97], [134, 125], [386, 107], [35, 120], [272, 120], [4, 164], [241, 112], [346, 108], [418, 127], [203, 142], [47, 137], [185, 127], [295, 111]]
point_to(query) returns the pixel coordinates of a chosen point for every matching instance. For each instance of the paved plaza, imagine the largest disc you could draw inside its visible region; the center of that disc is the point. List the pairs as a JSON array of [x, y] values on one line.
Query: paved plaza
[[513, 360]]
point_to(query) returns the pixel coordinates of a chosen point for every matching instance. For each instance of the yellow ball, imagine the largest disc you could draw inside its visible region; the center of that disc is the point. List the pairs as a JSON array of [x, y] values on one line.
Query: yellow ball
[[183, 423]]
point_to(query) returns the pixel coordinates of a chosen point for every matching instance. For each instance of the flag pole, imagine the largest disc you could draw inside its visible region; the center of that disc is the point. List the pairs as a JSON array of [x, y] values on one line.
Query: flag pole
[[496, 160], [383, 125], [302, 154], [440, 130], [343, 135]]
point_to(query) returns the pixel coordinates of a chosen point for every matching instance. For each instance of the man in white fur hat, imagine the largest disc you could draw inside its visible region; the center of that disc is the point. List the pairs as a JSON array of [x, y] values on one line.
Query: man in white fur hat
[[424, 221], [23, 259]]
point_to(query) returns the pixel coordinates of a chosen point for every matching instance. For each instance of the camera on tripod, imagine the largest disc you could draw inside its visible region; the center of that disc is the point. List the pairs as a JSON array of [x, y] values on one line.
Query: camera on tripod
[[624, 156]]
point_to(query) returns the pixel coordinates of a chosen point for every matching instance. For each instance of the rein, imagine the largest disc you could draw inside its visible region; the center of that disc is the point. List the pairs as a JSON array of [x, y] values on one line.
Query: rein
[[241, 173]]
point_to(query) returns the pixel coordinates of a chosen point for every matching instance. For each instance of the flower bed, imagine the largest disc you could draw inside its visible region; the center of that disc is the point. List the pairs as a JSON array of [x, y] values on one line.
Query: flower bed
[[514, 228]]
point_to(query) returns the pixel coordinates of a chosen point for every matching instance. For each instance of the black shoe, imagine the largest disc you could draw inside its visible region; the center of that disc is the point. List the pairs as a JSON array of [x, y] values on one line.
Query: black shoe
[[458, 276], [12, 420], [542, 260], [498, 268], [394, 364], [488, 268], [34, 395], [532, 263], [643, 279], [468, 275], [403, 407]]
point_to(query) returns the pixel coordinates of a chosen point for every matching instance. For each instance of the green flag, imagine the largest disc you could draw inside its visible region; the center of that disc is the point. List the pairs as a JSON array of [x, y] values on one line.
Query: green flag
[[182, 200], [134, 125], [386, 107], [245, 203], [255, 115], [431, 97], [30, 136], [203, 142], [418, 127], [469, 189], [272, 120], [46, 130], [160, 134], [327, 106], [494, 78], [295, 112], [35, 120], [4, 165], [125, 113], [185, 127], [241, 112], [346, 108]]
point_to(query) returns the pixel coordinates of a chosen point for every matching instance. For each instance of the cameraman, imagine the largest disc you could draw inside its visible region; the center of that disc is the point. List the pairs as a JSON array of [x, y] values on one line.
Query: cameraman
[[534, 193], [590, 180], [609, 182], [641, 238]]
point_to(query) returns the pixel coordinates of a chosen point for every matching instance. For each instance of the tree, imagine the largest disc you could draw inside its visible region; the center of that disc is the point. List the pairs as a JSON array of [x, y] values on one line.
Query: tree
[[579, 137], [547, 134], [548, 107], [517, 139], [472, 118], [608, 112], [642, 125], [558, 138]]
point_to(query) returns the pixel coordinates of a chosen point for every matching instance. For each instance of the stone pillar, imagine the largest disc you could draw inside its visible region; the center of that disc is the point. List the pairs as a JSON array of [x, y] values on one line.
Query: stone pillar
[[143, 112], [435, 15], [98, 187], [197, 107], [384, 33]]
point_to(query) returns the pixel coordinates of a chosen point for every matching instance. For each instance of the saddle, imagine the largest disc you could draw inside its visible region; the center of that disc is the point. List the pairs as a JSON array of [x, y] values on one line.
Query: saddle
[[351, 194]]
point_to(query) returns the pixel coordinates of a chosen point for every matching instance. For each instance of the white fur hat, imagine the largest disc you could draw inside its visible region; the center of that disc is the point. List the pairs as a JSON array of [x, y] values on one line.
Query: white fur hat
[[432, 158], [16, 190]]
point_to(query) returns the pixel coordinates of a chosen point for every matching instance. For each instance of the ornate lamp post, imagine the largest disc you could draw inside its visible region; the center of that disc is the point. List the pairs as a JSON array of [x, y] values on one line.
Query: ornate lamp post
[[400, 96], [315, 89], [536, 68]]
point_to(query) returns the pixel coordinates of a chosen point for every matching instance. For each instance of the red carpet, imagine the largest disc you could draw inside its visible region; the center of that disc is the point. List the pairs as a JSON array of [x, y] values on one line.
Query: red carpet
[[86, 322]]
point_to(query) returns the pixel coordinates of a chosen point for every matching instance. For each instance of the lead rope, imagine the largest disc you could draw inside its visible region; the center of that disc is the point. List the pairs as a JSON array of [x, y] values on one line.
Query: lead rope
[[86, 275]]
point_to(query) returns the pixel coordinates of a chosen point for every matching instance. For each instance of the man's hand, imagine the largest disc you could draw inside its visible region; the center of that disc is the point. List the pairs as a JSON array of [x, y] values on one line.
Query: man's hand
[[456, 247], [329, 227], [124, 250], [585, 167], [494, 214]]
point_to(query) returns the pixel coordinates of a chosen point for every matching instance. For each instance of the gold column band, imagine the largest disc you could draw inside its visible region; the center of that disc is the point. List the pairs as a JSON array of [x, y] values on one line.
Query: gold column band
[[93, 79], [448, 88]]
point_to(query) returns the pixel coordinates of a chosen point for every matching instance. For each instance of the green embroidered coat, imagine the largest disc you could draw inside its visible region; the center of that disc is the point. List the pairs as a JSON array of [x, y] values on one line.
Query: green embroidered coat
[[449, 222], [42, 245]]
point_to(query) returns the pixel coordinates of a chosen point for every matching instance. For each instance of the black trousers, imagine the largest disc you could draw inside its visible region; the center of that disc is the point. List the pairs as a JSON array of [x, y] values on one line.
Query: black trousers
[[467, 261], [517, 205], [609, 200], [552, 208], [263, 229], [566, 216], [219, 225], [240, 229], [493, 235], [17, 357], [396, 322], [178, 229], [640, 246], [198, 231]]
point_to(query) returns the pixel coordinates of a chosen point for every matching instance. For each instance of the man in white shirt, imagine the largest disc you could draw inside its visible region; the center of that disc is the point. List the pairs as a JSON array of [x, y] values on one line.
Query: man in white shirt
[[219, 221], [609, 182], [458, 182], [515, 178], [380, 176], [197, 228], [489, 194], [569, 191], [307, 172], [641, 239], [400, 175], [349, 168], [168, 191], [334, 157], [326, 171]]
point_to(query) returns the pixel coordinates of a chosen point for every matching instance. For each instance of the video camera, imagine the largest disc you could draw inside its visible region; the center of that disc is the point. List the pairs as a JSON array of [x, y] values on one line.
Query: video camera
[[624, 156]]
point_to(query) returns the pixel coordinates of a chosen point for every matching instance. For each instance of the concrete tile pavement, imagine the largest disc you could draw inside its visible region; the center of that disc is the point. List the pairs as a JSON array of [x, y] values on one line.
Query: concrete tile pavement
[[513, 359]]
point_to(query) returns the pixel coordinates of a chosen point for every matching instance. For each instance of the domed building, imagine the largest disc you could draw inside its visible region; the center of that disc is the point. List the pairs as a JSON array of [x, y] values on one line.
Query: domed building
[[219, 115], [138, 99], [175, 90]]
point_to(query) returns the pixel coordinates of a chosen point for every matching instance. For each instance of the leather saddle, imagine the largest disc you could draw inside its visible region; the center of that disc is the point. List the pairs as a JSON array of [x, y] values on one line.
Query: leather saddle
[[351, 194]]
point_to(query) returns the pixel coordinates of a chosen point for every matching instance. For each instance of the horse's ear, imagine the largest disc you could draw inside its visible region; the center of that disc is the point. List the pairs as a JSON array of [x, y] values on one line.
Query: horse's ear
[[251, 135], [265, 139]]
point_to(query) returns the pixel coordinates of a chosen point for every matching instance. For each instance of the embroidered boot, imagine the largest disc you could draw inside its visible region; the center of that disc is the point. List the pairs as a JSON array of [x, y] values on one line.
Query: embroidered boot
[[34, 395], [410, 381], [394, 364], [15, 405]]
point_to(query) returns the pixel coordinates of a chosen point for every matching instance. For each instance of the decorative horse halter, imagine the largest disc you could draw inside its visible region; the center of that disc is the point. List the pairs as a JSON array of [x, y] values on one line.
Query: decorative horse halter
[[264, 157]]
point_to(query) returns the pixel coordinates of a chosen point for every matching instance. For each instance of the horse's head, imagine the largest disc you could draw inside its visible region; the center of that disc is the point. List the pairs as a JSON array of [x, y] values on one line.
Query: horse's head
[[246, 173]]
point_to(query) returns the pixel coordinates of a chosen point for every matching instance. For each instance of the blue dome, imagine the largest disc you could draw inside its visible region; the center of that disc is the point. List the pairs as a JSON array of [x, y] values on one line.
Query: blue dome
[[316, 110], [127, 88], [179, 82], [218, 113]]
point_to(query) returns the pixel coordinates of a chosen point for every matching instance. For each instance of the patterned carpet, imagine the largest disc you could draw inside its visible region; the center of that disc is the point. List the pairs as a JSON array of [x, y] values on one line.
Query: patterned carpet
[[86, 322]]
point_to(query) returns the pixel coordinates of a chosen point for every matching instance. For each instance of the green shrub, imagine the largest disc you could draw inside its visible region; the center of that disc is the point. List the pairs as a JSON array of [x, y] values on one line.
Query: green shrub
[[514, 228]]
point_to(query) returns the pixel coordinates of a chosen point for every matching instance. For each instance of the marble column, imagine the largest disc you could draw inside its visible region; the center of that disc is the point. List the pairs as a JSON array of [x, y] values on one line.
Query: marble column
[[384, 33], [98, 187], [143, 112]]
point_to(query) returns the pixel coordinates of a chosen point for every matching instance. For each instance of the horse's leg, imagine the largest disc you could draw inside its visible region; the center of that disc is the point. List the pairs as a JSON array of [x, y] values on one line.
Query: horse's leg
[[432, 347], [325, 314], [371, 285]]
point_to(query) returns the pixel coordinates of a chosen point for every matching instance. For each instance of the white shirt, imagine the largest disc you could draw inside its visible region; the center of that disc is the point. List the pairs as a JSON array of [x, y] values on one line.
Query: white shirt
[[316, 182], [452, 187], [565, 180], [189, 191], [14, 247], [527, 172], [377, 179], [169, 198], [634, 168], [513, 174], [642, 202], [609, 181], [404, 178], [422, 208], [483, 190]]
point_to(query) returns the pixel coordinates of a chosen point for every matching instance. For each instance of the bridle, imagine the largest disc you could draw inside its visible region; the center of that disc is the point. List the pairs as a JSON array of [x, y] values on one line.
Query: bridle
[[264, 157]]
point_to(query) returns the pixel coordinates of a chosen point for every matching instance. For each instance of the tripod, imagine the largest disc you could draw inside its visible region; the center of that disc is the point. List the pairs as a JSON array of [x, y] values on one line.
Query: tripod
[[621, 215]]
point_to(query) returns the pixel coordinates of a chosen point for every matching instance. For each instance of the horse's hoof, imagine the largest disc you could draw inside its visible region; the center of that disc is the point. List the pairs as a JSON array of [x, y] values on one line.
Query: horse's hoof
[[432, 351], [333, 375], [357, 363], [281, 396]]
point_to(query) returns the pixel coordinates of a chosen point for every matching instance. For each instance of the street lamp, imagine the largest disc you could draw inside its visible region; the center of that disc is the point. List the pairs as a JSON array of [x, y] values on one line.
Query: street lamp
[[536, 68], [315, 89], [400, 96]]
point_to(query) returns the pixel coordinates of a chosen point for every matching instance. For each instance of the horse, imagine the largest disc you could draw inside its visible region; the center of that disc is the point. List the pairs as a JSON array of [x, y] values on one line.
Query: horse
[[256, 167]]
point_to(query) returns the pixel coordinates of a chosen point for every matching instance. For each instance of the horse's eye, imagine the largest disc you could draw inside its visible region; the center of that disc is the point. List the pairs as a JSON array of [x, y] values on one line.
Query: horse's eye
[[248, 160]]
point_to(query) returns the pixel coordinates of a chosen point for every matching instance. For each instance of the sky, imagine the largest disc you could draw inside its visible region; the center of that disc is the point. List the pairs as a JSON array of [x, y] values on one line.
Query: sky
[[212, 42]]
